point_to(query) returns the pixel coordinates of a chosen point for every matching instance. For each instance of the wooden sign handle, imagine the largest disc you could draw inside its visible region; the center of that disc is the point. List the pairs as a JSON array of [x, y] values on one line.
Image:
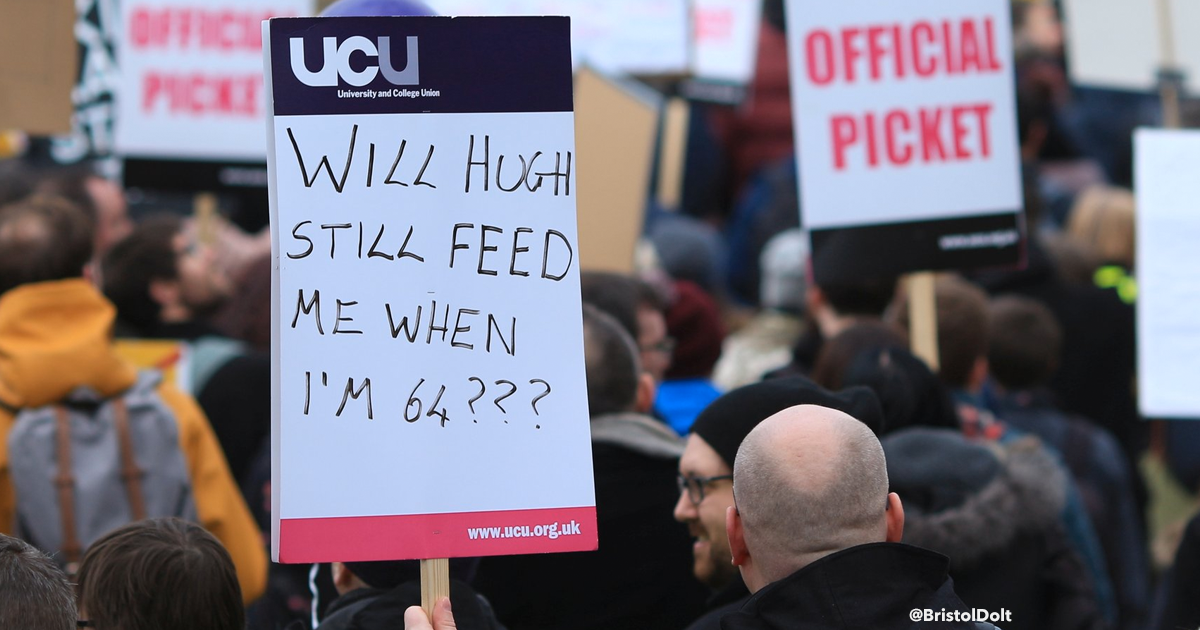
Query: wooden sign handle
[[204, 205], [922, 318], [1169, 83], [435, 583]]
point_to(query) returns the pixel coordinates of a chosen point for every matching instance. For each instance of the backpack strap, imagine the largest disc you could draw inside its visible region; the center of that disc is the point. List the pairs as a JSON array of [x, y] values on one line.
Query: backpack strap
[[65, 482], [131, 475]]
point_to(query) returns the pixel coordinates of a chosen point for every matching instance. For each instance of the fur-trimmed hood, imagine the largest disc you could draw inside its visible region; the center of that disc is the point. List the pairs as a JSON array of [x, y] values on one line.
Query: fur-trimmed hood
[[971, 500]]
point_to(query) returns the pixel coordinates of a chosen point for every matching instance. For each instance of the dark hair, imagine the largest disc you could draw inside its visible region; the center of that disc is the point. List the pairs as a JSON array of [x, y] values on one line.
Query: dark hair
[[860, 297], [909, 392], [70, 183], [160, 573], [42, 239], [16, 181], [146, 255], [962, 328], [611, 359], [1025, 341], [248, 318], [836, 355], [613, 293], [34, 593]]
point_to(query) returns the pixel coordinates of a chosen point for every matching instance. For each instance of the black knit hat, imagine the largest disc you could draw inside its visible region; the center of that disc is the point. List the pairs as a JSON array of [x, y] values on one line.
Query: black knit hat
[[730, 418]]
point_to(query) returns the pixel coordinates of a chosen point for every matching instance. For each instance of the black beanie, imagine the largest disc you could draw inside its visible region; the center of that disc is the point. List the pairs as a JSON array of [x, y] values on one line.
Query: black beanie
[[730, 418]]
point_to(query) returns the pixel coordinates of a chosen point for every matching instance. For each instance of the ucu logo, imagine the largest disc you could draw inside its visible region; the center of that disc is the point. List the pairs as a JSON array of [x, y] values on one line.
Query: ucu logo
[[329, 73]]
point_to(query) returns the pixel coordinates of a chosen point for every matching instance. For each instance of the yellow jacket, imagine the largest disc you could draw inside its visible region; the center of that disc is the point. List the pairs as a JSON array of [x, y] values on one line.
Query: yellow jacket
[[55, 337]]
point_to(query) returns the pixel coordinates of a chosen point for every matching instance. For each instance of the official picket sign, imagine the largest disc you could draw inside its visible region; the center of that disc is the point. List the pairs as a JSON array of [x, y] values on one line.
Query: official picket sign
[[429, 381], [906, 134], [190, 110], [724, 48], [1168, 289]]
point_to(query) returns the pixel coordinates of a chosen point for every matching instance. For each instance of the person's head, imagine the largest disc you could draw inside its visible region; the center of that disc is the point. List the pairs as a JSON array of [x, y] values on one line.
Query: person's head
[[1025, 342], [159, 573], [639, 308], [158, 274], [838, 353], [614, 379], [835, 305], [34, 593], [962, 332], [909, 392], [1103, 220], [42, 239], [784, 280], [694, 322], [706, 467], [102, 199], [809, 481]]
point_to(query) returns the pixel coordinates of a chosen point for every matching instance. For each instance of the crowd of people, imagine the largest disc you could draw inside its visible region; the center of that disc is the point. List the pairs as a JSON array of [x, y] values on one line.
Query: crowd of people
[[768, 452]]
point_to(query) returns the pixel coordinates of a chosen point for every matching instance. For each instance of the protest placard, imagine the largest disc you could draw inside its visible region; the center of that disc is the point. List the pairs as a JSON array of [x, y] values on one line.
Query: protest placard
[[37, 65], [1124, 45], [190, 110], [724, 48], [429, 385], [906, 134], [616, 123], [639, 37], [1168, 291]]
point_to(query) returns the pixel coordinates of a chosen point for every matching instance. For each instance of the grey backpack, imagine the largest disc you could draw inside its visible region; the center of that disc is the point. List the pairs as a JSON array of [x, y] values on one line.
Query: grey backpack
[[87, 465]]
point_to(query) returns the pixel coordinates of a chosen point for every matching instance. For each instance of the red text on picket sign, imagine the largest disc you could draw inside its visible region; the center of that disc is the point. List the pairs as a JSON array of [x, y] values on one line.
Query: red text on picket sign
[[201, 93], [898, 137]]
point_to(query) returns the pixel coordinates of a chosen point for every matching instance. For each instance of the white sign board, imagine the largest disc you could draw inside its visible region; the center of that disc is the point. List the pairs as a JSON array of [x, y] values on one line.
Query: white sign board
[[645, 37], [906, 132], [1168, 272], [191, 78], [1119, 44], [430, 394], [725, 39]]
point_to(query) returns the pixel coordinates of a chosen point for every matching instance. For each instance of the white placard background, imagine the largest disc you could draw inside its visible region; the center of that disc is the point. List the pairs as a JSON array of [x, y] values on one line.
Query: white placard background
[[726, 39], [1168, 272], [615, 36], [1118, 44], [437, 469], [889, 194]]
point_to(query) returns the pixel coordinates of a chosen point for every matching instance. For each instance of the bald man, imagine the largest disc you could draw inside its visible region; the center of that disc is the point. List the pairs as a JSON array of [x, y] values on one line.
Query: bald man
[[815, 533]]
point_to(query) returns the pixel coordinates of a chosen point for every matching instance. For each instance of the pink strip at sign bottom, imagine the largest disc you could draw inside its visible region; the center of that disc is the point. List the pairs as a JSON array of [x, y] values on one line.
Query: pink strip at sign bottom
[[463, 534]]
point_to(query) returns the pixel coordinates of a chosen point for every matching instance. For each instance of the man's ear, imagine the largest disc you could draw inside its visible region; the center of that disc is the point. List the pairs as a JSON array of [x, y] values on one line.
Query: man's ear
[[895, 518], [342, 576], [979, 373], [647, 391], [737, 536], [164, 292]]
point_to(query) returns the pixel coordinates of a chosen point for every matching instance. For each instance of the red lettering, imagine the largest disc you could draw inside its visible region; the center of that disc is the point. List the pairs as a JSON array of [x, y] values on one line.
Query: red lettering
[[139, 28], [872, 144], [151, 88], [989, 30], [226, 19], [948, 43], [851, 53], [969, 47], [845, 133], [819, 41], [895, 122], [931, 135], [926, 66], [875, 49], [983, 111], [959, 131], [898, 48]]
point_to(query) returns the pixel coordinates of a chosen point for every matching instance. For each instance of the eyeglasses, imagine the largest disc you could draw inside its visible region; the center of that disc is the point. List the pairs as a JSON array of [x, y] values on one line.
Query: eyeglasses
[[694, 486], [665, 346]]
